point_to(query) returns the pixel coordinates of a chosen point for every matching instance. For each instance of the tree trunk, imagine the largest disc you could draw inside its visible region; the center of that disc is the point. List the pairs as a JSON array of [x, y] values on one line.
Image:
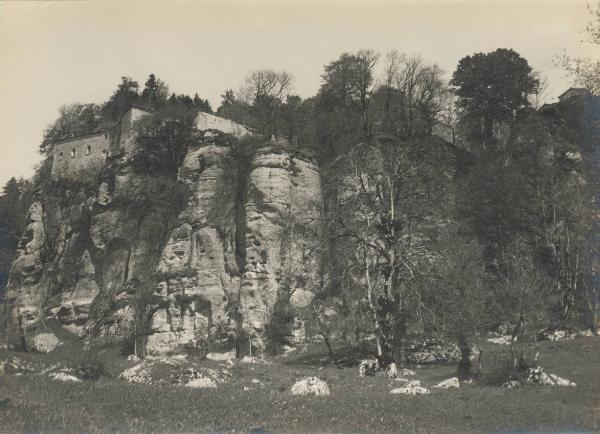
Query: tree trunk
[[465, 369], [400, 339], [328, 344]]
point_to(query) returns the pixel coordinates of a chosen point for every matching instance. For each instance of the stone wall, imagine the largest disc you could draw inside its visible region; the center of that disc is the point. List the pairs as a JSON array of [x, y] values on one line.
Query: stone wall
[[81, 158], [205, 121], [126, 136]]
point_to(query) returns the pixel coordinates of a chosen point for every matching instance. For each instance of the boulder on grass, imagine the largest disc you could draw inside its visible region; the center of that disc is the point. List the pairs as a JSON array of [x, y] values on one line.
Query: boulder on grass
[[411, 388], [368, 367], [310, 386], [537, 375], [62, 376], [45, 342], [202, 383], [391, 371], [448, 384]]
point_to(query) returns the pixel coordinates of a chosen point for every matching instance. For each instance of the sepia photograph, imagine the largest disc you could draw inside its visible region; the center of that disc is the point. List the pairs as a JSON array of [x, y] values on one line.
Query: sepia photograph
[[299, 216]]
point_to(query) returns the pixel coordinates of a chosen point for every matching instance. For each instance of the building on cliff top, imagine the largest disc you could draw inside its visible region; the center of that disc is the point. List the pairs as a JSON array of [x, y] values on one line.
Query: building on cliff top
[[206, 121], [82, 157]]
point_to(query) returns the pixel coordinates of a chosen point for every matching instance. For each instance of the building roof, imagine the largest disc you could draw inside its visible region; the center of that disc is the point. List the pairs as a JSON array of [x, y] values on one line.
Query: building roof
[[102, 131], [139, 107], [573, 91], [79, 137]]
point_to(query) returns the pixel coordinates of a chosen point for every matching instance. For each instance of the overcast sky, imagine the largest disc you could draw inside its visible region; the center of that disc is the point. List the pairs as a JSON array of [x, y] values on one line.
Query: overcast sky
[[55, 53]]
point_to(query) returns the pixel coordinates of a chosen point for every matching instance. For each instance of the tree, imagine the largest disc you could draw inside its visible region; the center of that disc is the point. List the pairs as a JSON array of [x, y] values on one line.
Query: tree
[[458, 298], [412, 97], [341, 109], [349, 82], [264, 92], [390, 206], [74, 120], [491, 87], [232, 108], [201, 104], [126, 94], [155, 92], [15, 201], [525, 299], [585, 70], [165, 136]]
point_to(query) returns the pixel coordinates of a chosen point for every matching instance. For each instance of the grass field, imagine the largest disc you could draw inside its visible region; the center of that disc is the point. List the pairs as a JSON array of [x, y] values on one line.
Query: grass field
[[36, 403]]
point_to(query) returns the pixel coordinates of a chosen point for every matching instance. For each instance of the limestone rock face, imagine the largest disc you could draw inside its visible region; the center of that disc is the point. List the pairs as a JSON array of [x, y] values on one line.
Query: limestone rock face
[[198, 269], [26, 289], [282, 206], [176, 262]]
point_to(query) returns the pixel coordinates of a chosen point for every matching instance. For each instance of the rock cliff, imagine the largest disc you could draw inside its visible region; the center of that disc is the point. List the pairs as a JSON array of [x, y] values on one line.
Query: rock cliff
[[173, 264]]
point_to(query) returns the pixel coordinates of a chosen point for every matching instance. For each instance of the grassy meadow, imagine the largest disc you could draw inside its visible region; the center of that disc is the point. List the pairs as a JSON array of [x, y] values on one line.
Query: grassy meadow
[[33, 402]]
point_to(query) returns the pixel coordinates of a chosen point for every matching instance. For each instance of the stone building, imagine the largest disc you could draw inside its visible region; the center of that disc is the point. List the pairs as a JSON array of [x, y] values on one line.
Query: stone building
[[82, 157], [205, 121]]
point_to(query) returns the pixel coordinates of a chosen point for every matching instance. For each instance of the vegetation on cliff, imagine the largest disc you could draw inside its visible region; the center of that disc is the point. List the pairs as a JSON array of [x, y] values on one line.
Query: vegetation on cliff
[[446, 209]]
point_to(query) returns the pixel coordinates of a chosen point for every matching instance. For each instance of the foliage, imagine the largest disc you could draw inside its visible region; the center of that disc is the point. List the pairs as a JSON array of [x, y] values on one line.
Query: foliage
[[155, 92], [164, 138], [585, 70], [74, 120], [279, 328], [17, 196], [411, 98], [525, 299], [389, 209], [342, 103], [126, 94], [490, 88]]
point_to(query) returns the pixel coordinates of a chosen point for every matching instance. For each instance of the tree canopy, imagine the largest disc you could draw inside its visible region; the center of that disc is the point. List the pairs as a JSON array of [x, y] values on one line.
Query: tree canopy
[[492, 86]]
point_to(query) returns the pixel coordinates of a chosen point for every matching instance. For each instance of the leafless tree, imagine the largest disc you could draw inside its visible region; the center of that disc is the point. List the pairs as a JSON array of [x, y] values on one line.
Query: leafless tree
[[264, 91]]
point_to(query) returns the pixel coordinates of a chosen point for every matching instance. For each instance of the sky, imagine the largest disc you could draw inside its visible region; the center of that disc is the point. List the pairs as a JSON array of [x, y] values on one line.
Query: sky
[[60, 52]]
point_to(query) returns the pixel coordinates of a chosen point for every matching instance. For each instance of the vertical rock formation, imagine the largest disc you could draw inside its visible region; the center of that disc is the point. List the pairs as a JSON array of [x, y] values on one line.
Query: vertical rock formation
[[283, 203], [121, 258]]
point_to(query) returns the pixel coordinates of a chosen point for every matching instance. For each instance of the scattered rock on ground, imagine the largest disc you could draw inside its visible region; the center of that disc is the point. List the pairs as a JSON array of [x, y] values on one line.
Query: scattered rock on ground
[[45, 342], [310, 386], [559, 335], [137, 374], [133, 358], [62, 376], [202, 383], [391, 371], [221, 357], [368, 367], [252, 360], [501, 340], [511, 384], [538, 376], [431, 351], [448, 384], [412, 388], [288, 349]]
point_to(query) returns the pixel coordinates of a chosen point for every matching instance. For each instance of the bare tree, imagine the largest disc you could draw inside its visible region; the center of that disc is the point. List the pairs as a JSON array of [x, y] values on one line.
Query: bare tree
[[388, 222], [415, 94], [457, 300], [584, 70], [524, 299], [264, 91]]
